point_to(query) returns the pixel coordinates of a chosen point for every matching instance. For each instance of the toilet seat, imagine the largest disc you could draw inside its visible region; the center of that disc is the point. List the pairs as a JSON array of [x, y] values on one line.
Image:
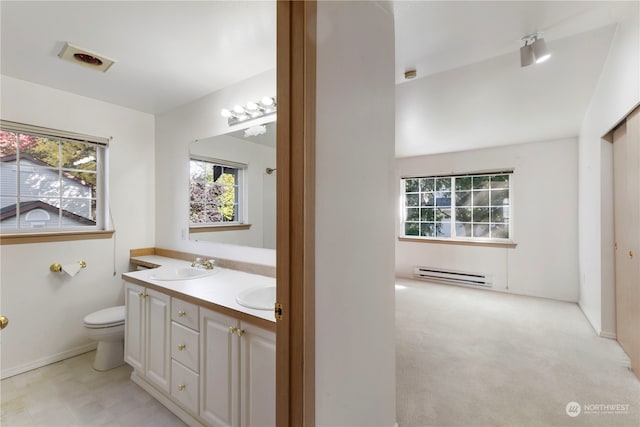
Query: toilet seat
[[106, 318]]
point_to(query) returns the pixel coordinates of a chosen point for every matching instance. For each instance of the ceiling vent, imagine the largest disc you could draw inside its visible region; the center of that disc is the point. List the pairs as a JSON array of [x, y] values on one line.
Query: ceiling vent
[[78, 55]]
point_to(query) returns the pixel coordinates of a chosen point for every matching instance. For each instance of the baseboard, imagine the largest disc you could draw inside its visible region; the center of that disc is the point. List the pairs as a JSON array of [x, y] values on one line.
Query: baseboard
[[589, 319], [168, 403], [6, 373], [610, 335]]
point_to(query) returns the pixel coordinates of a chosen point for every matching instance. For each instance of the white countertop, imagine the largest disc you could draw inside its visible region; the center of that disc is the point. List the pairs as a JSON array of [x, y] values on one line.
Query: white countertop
[[220, 287]]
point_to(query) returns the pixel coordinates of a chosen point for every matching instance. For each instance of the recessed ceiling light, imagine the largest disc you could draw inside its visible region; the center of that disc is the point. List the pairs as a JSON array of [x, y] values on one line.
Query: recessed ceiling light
[[78, 55]]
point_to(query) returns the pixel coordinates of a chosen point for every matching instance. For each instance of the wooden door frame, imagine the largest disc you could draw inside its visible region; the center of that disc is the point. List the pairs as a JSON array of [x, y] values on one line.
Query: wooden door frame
[[295, 254]]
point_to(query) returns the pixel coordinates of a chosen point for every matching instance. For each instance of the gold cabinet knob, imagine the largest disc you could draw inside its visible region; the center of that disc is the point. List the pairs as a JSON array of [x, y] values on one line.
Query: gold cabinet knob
[[3, 322], [181, 347], [631, 254], [240, 332], [182, 313], [232, 330], [142, 295], [181, 387]]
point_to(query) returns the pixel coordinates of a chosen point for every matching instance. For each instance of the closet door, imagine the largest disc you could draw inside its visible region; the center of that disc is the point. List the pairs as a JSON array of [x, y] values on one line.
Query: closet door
[[626, 158]]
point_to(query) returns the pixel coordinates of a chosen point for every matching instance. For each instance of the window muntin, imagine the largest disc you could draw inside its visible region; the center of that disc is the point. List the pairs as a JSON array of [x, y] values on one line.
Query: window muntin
[[469, 207], [215, 192], [48, 174]]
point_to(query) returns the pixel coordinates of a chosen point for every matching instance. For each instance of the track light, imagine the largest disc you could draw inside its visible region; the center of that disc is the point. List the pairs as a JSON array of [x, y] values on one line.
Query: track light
[[534, 50], [540, 51], [251, 110]]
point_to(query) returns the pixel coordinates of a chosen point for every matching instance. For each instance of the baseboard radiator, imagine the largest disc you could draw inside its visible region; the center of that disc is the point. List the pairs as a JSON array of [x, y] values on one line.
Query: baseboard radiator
[[451, 276]]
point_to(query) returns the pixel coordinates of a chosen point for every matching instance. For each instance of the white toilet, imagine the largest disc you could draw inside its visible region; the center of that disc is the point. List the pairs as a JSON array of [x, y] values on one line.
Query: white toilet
[[107, 327]]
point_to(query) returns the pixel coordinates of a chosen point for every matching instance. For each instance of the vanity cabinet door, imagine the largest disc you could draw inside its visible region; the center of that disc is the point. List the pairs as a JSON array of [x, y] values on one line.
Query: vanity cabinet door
[[257, 376], [134, 325], [158, 339], [219, 358]]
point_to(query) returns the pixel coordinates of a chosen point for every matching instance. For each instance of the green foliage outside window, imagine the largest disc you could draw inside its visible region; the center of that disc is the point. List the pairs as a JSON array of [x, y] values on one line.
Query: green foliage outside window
[[213, 193]]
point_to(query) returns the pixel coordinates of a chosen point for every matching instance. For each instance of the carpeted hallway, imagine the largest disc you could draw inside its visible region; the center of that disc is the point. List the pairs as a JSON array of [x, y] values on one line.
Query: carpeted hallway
[[468, 357]]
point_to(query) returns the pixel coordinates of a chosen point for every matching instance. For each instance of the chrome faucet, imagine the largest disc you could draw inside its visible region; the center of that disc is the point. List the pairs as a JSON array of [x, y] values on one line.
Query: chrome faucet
[[204, 264]]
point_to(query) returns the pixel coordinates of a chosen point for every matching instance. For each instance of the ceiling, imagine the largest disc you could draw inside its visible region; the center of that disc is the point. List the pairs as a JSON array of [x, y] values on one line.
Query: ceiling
[[167, 53], [170, 53], [435, 36]]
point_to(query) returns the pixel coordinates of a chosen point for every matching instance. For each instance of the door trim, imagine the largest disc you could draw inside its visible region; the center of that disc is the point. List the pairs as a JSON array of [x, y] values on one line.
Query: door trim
[[295, 256]]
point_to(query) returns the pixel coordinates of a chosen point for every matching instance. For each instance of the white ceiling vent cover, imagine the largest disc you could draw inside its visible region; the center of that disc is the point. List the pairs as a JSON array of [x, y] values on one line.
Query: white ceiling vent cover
[[78, 55]]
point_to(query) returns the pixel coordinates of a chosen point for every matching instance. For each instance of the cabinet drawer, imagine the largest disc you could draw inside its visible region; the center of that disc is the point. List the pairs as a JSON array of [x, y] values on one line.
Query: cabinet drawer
[[185, 313], [185, 346], [185, 386]]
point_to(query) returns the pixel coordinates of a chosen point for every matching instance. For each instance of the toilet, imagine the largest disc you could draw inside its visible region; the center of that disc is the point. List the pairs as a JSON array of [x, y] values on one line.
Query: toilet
[[107, 327]]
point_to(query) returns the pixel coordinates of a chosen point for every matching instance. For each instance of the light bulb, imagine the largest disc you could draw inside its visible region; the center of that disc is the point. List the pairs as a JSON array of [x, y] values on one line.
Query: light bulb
[[239, 109], [267, 101], [225, 113], [252, 106]]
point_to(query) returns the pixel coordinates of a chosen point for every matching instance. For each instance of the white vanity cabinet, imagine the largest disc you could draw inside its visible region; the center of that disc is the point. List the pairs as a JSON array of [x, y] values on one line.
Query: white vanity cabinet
[[208, 368], [237, 372], [147, 334]]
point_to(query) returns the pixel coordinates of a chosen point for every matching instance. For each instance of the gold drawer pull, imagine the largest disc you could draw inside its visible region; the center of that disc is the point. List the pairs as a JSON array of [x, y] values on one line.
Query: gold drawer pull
[[181, 347], [181, 387], [181, 313]]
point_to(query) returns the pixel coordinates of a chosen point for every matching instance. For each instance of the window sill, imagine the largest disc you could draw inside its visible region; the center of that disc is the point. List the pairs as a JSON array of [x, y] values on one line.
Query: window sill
[[15, 239], [486, 243], [213, 228]]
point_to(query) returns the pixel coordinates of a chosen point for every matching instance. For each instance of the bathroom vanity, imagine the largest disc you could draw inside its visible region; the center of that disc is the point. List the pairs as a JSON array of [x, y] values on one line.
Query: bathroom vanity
[[207, 358]]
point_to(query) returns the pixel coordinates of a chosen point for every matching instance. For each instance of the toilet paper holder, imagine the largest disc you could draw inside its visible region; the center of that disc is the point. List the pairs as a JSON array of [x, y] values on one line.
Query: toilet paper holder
[[57, 267]]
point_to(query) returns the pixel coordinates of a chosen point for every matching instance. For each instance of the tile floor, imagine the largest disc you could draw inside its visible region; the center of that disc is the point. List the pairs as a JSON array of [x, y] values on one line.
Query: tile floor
[[72, 393]]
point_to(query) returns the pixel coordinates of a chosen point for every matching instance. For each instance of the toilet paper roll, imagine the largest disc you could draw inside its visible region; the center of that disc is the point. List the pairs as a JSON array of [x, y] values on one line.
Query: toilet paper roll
[[72, 268]]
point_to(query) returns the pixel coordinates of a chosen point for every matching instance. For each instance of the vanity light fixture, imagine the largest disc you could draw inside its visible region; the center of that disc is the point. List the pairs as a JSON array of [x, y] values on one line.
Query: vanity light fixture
[[534, 50], [251, 110]]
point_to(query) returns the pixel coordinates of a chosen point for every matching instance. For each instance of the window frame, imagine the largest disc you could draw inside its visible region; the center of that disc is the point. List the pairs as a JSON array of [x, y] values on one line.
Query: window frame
[[453, 238], [242, 220], [101, 228]]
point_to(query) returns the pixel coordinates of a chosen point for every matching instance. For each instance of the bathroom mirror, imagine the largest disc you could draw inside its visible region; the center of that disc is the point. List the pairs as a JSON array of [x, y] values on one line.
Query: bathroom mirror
[[232, 187]]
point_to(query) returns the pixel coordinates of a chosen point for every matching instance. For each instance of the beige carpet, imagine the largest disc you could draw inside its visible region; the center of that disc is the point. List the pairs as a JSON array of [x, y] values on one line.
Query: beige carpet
[[468, 357]]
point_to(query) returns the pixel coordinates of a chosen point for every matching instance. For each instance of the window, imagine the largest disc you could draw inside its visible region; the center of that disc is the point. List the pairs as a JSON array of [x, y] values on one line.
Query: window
[[50, 180], [466, 207], [215, 192]]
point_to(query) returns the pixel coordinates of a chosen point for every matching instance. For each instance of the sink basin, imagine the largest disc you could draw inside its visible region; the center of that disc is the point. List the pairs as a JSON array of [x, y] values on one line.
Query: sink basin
[[258, 298], [184, 273]]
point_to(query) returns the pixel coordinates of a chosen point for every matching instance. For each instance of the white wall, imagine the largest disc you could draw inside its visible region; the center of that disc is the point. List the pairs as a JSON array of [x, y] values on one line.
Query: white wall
[[175, 130], [46, 309], [355, 351], [617, 92], [257, 157], [544, 215]]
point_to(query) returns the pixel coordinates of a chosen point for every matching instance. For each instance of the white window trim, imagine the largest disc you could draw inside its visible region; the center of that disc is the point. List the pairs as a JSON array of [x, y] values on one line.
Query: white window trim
[[102, 178], [473, 241], [243, 200]]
